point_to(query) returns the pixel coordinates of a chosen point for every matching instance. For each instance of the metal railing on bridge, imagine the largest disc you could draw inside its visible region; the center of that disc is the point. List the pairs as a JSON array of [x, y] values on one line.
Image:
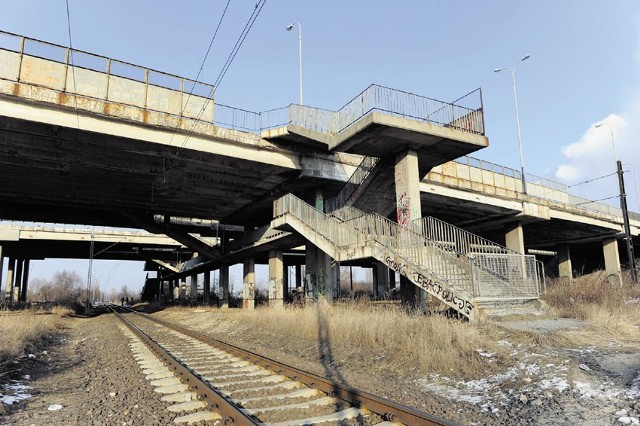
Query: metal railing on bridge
[[64, 70]]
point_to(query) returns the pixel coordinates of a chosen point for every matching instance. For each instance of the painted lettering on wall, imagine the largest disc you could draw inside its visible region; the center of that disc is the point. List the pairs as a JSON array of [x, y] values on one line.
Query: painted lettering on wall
[[403, 210], [430, 285]]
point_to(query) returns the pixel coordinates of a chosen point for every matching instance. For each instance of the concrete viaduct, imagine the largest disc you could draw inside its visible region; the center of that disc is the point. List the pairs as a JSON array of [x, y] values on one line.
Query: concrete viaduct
[[90, 140]]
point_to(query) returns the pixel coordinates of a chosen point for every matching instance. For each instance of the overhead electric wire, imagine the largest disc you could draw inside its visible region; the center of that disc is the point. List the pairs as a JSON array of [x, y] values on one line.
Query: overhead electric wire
[[254, 15], [592, 180], [234, 51]]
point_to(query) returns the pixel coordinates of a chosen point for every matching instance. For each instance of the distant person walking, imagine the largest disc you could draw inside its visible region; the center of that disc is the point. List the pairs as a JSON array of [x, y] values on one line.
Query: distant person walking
[[122, 302]]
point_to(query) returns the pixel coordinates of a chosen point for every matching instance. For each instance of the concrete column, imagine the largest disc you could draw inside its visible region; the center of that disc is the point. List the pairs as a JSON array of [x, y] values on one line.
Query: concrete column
[[514, 237], [298, 275], [224, 284], [612, 261], [17, 280], [248, 290], [10, 274], [326, 278], [319, 200], [1, 266], [311, 270], [183, 289], [175, 290], [193, 287], [407, 181], [207, 287], [25, 281], [285, 282], [565, 271], [275, 278], [380, 279], [409, 292]]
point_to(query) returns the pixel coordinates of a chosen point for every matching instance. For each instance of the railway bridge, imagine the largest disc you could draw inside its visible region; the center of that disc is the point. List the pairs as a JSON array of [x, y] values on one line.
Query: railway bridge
[[384, 180]]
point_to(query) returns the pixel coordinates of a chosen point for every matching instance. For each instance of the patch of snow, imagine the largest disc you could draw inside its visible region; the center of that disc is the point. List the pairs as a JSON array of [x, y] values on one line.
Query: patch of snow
[[31, 356], [15, 392], [55, 407]]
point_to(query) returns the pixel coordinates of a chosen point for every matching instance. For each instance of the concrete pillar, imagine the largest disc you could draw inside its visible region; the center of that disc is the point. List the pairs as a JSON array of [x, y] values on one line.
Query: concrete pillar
[[25, 281], [10, 274], [207, 287], [565, 271], [380, 279], [407, 181], [1, 266], [311, 270], [224, 284], [17, 280], [248, 289], [276, 271], [193, 287], [298, 275], [612, 261], [183, 289], [409, 292], [319, 200], [326, 278], [285, 282], [514, 237]]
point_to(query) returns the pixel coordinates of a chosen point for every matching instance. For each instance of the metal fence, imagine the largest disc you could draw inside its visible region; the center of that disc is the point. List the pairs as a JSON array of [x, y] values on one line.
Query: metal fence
[[476, 265], [348, 191]]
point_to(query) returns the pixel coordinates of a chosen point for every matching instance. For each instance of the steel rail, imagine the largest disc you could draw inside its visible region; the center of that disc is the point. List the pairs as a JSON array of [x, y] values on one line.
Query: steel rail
[[231, 414], [388, 410]]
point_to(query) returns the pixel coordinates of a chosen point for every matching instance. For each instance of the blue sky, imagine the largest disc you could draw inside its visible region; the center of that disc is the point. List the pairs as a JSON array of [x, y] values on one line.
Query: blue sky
[[584, 65]]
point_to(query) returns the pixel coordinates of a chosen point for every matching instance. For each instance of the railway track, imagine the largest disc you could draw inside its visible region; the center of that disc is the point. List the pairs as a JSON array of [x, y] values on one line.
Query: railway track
[[207, 380]]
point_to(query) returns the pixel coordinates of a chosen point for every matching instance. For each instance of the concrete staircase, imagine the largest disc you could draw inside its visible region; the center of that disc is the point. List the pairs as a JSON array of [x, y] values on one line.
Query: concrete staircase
[[434, 265]]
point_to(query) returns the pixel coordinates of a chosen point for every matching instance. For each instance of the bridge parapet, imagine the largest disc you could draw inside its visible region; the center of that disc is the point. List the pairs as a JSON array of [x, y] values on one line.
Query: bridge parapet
[[486, 177]]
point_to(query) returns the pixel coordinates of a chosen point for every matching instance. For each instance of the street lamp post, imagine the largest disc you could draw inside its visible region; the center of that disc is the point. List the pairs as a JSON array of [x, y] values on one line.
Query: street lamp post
[[515, 99], [289, 28], [623, 207]]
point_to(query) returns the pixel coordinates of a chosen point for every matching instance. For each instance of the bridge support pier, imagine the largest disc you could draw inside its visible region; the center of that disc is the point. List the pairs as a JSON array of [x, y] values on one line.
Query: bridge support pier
[[612, 261], [183, 289], [193, 287], [298, 275], [514, 237], [1, 269], [565, 270], [380, 279], [206, 292], [9, 285], [408, 208], [224, 284], [25, 281], [276, 271], [248, 290], [17, 280]]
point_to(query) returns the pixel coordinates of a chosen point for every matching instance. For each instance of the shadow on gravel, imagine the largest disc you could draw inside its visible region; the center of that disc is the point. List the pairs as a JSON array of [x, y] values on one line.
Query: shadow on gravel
[[329, 363]]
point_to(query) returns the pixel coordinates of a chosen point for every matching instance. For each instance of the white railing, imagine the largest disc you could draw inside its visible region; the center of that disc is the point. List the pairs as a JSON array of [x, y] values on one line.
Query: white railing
[[483, 272]]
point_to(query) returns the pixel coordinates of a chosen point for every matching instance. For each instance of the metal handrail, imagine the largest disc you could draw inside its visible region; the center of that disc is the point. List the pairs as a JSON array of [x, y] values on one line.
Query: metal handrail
[[348, 192], [479, 272]]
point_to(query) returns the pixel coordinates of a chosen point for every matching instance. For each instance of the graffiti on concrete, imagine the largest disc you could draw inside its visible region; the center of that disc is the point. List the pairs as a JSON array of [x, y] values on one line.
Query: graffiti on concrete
[[430, 285], [248, 291], [403, 210]]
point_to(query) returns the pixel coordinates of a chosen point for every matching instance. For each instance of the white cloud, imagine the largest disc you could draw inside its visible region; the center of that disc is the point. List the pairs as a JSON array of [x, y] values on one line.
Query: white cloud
[[591, 157]]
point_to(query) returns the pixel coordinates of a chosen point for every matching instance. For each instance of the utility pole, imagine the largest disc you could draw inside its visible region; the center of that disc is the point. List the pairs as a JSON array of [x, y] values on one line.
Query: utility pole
[[627, 227]]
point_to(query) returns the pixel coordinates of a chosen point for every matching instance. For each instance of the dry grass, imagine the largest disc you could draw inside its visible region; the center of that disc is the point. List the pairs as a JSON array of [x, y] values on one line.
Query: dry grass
[[22, 331], [612, 311], [394, 338]]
